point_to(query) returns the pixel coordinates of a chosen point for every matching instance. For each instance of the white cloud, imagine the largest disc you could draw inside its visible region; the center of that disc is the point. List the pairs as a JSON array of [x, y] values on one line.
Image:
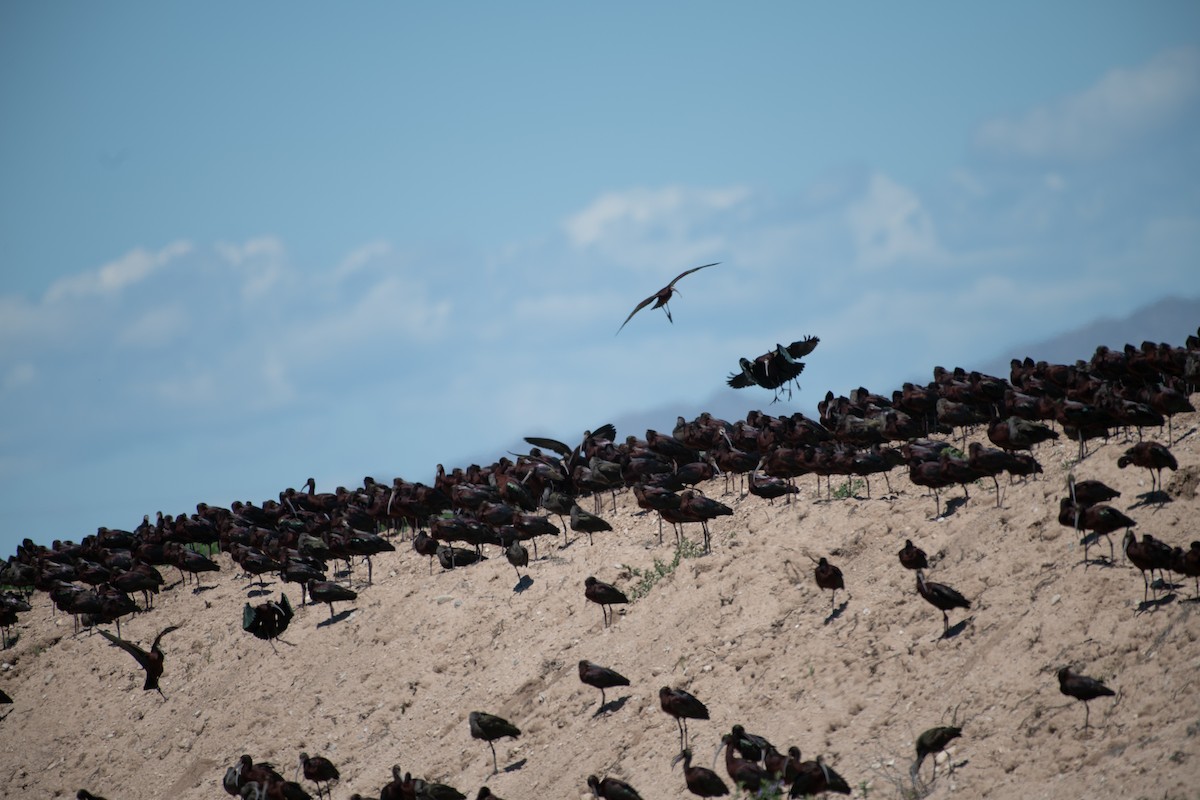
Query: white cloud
[[156, 328], [359, 257], [889, 224], [645, 227], [1122, 106], [131, 268]]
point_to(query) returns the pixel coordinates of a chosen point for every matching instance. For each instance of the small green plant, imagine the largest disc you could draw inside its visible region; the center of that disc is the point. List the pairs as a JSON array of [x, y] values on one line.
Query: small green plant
[[647, 578], [849, 489]]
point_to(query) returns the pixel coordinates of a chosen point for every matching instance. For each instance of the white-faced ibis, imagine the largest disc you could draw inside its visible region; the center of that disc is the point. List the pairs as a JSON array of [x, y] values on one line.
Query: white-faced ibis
[[583, 522], [912, 557], [486, 794], [1154, 457], [663, 295], [701, 781], [748, 745], [941, 597], [612, 789], [1100, 519], [319, 769], [151, 662], [601, 678], [604, 594], [742, 771], [514, 551], [829, 577], [817, 777], [489, 728], [1187, 563], [267, 620], [1081, 687], [329, 593], [681, 705], [930, 742], [423, 790]]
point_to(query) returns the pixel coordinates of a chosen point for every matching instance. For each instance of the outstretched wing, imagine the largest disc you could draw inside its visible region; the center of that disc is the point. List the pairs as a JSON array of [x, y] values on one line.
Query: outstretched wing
[[605, 431], [549, 444], [685, 272], [164, 632], [803, 347], [640, 306], [143, 658], [738, 380]]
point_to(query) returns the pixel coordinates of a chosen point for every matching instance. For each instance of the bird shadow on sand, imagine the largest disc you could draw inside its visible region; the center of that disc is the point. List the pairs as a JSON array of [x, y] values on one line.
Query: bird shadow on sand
[[523, 584], [200, 589], [257, 592], [1156, 603], [1158, 497], [837, 612], [955, 629], [338, 617], [516, 765], [611, 705], [952, 505]]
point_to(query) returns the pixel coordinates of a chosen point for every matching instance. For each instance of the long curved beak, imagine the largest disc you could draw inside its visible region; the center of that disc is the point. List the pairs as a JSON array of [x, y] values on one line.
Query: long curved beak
[[717, 753]]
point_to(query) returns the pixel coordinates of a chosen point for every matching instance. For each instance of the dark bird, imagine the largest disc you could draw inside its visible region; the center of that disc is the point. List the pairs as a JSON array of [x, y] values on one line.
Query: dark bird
[[604, 594], [933, 741], [515, 552], [749, 745], [1091, 492], [329, 593], [612, 789], [663, 295], [152, 662], [1082, 688], [913, 557], [84, 794], [682, 706], [775, 369], [489, 728], [486, 794], [829, 577], [701, 781], [319, 769], [1100, 519], [268, 620], [584, 522], [601, 678], [745, 773], [816, 777], [941, 597], [1154, 457]]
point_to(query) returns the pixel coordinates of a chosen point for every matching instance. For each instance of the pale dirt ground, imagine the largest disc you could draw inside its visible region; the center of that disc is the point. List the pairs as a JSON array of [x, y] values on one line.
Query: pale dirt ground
[[745, 629]]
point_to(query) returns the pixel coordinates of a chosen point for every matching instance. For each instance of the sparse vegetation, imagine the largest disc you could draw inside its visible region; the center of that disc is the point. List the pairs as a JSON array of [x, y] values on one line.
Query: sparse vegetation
[[849, 489], [647, 578]]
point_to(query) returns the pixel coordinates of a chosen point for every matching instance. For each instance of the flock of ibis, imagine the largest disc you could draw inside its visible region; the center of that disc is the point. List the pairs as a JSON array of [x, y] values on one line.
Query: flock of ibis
[[319, 540]]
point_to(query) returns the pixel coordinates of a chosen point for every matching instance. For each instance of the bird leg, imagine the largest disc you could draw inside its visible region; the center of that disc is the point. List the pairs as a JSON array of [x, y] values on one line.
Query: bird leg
[[495, 768]]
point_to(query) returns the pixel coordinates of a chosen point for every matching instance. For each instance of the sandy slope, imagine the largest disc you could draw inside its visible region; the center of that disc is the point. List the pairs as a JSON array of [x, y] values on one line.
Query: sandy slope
[[745, 629]]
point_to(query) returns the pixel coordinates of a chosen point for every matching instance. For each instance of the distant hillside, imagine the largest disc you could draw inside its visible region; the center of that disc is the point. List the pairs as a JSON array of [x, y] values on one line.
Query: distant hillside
[[1168, 320]]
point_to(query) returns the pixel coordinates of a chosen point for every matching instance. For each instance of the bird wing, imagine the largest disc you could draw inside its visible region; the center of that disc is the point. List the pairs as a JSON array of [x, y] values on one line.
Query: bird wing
[[549, 444], [640, 306], [164, 632], [803, 347], [685, 272], [605, 431], [739, 380], [143, 658], [248, 617]]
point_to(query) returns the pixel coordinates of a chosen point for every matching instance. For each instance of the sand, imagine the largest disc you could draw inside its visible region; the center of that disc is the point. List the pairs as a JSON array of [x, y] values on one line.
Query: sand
[[745, 629]]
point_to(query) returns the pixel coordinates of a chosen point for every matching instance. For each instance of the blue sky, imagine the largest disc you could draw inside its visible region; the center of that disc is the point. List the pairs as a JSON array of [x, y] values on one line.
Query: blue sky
[[243, 244]]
